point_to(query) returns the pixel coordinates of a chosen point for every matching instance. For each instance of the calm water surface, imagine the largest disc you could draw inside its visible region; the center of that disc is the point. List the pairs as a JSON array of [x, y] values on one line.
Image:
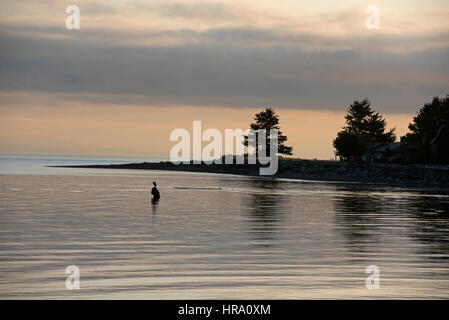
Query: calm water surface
[[217, 236]]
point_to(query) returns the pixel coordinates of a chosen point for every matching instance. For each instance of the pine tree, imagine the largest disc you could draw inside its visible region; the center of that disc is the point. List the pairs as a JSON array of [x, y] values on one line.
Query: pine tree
[[430, 128], [268, 119], [364, 127], [363, 120]]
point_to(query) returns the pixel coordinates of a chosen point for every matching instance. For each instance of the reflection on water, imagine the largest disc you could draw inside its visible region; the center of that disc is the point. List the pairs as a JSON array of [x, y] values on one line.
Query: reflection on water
[[218, 236], [430, 226], [405, 231], [356, 216], [368, 215], [154, 204], [265, 209]]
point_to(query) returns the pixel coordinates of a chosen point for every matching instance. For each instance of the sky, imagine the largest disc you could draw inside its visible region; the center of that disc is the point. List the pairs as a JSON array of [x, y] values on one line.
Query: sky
[[136, 70]]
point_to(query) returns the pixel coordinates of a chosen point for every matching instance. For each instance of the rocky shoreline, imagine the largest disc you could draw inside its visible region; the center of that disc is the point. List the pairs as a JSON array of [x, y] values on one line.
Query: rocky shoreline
[[389, 174]]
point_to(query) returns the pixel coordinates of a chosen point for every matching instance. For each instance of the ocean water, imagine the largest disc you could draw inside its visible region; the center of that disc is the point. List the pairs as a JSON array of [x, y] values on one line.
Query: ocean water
[[213, 236]]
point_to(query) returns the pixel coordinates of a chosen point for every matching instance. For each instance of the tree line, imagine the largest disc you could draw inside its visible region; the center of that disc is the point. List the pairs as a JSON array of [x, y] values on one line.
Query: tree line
[[365, 128]]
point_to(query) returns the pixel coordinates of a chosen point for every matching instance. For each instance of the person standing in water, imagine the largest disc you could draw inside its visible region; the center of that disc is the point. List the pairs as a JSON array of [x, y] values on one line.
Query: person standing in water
[[155, 192]]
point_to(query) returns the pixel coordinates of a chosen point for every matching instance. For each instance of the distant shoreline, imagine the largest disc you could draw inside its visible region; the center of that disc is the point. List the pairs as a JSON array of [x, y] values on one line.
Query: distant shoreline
[[332, 171]]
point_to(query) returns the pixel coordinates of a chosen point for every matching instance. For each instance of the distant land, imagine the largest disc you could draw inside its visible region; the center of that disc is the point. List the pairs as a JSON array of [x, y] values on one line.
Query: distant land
[[318, 170]]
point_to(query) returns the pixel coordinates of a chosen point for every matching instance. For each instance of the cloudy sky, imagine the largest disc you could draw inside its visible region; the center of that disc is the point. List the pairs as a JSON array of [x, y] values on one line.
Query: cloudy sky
[[138, 69]]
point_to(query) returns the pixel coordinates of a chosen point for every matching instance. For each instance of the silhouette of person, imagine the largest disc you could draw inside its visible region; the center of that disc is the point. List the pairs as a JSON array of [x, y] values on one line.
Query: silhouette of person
[[155, 192]]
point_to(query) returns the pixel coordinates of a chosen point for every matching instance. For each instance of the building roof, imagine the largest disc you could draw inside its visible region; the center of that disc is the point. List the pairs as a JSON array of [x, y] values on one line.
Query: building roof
[[395, 147]]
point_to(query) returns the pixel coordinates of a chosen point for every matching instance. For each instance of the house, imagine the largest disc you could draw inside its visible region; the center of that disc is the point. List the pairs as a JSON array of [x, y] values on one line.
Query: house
[[392, 152]]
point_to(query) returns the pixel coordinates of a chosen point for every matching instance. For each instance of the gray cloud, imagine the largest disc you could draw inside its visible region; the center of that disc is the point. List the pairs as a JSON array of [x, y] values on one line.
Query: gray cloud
[[238, 36], [236, 73], [198, 10]]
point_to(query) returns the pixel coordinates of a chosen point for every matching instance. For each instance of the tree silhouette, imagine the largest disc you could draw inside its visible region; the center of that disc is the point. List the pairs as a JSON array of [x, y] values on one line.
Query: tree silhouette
[[268, 119], [364, 127], [430, 127], [349, 145], [363, 120]]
